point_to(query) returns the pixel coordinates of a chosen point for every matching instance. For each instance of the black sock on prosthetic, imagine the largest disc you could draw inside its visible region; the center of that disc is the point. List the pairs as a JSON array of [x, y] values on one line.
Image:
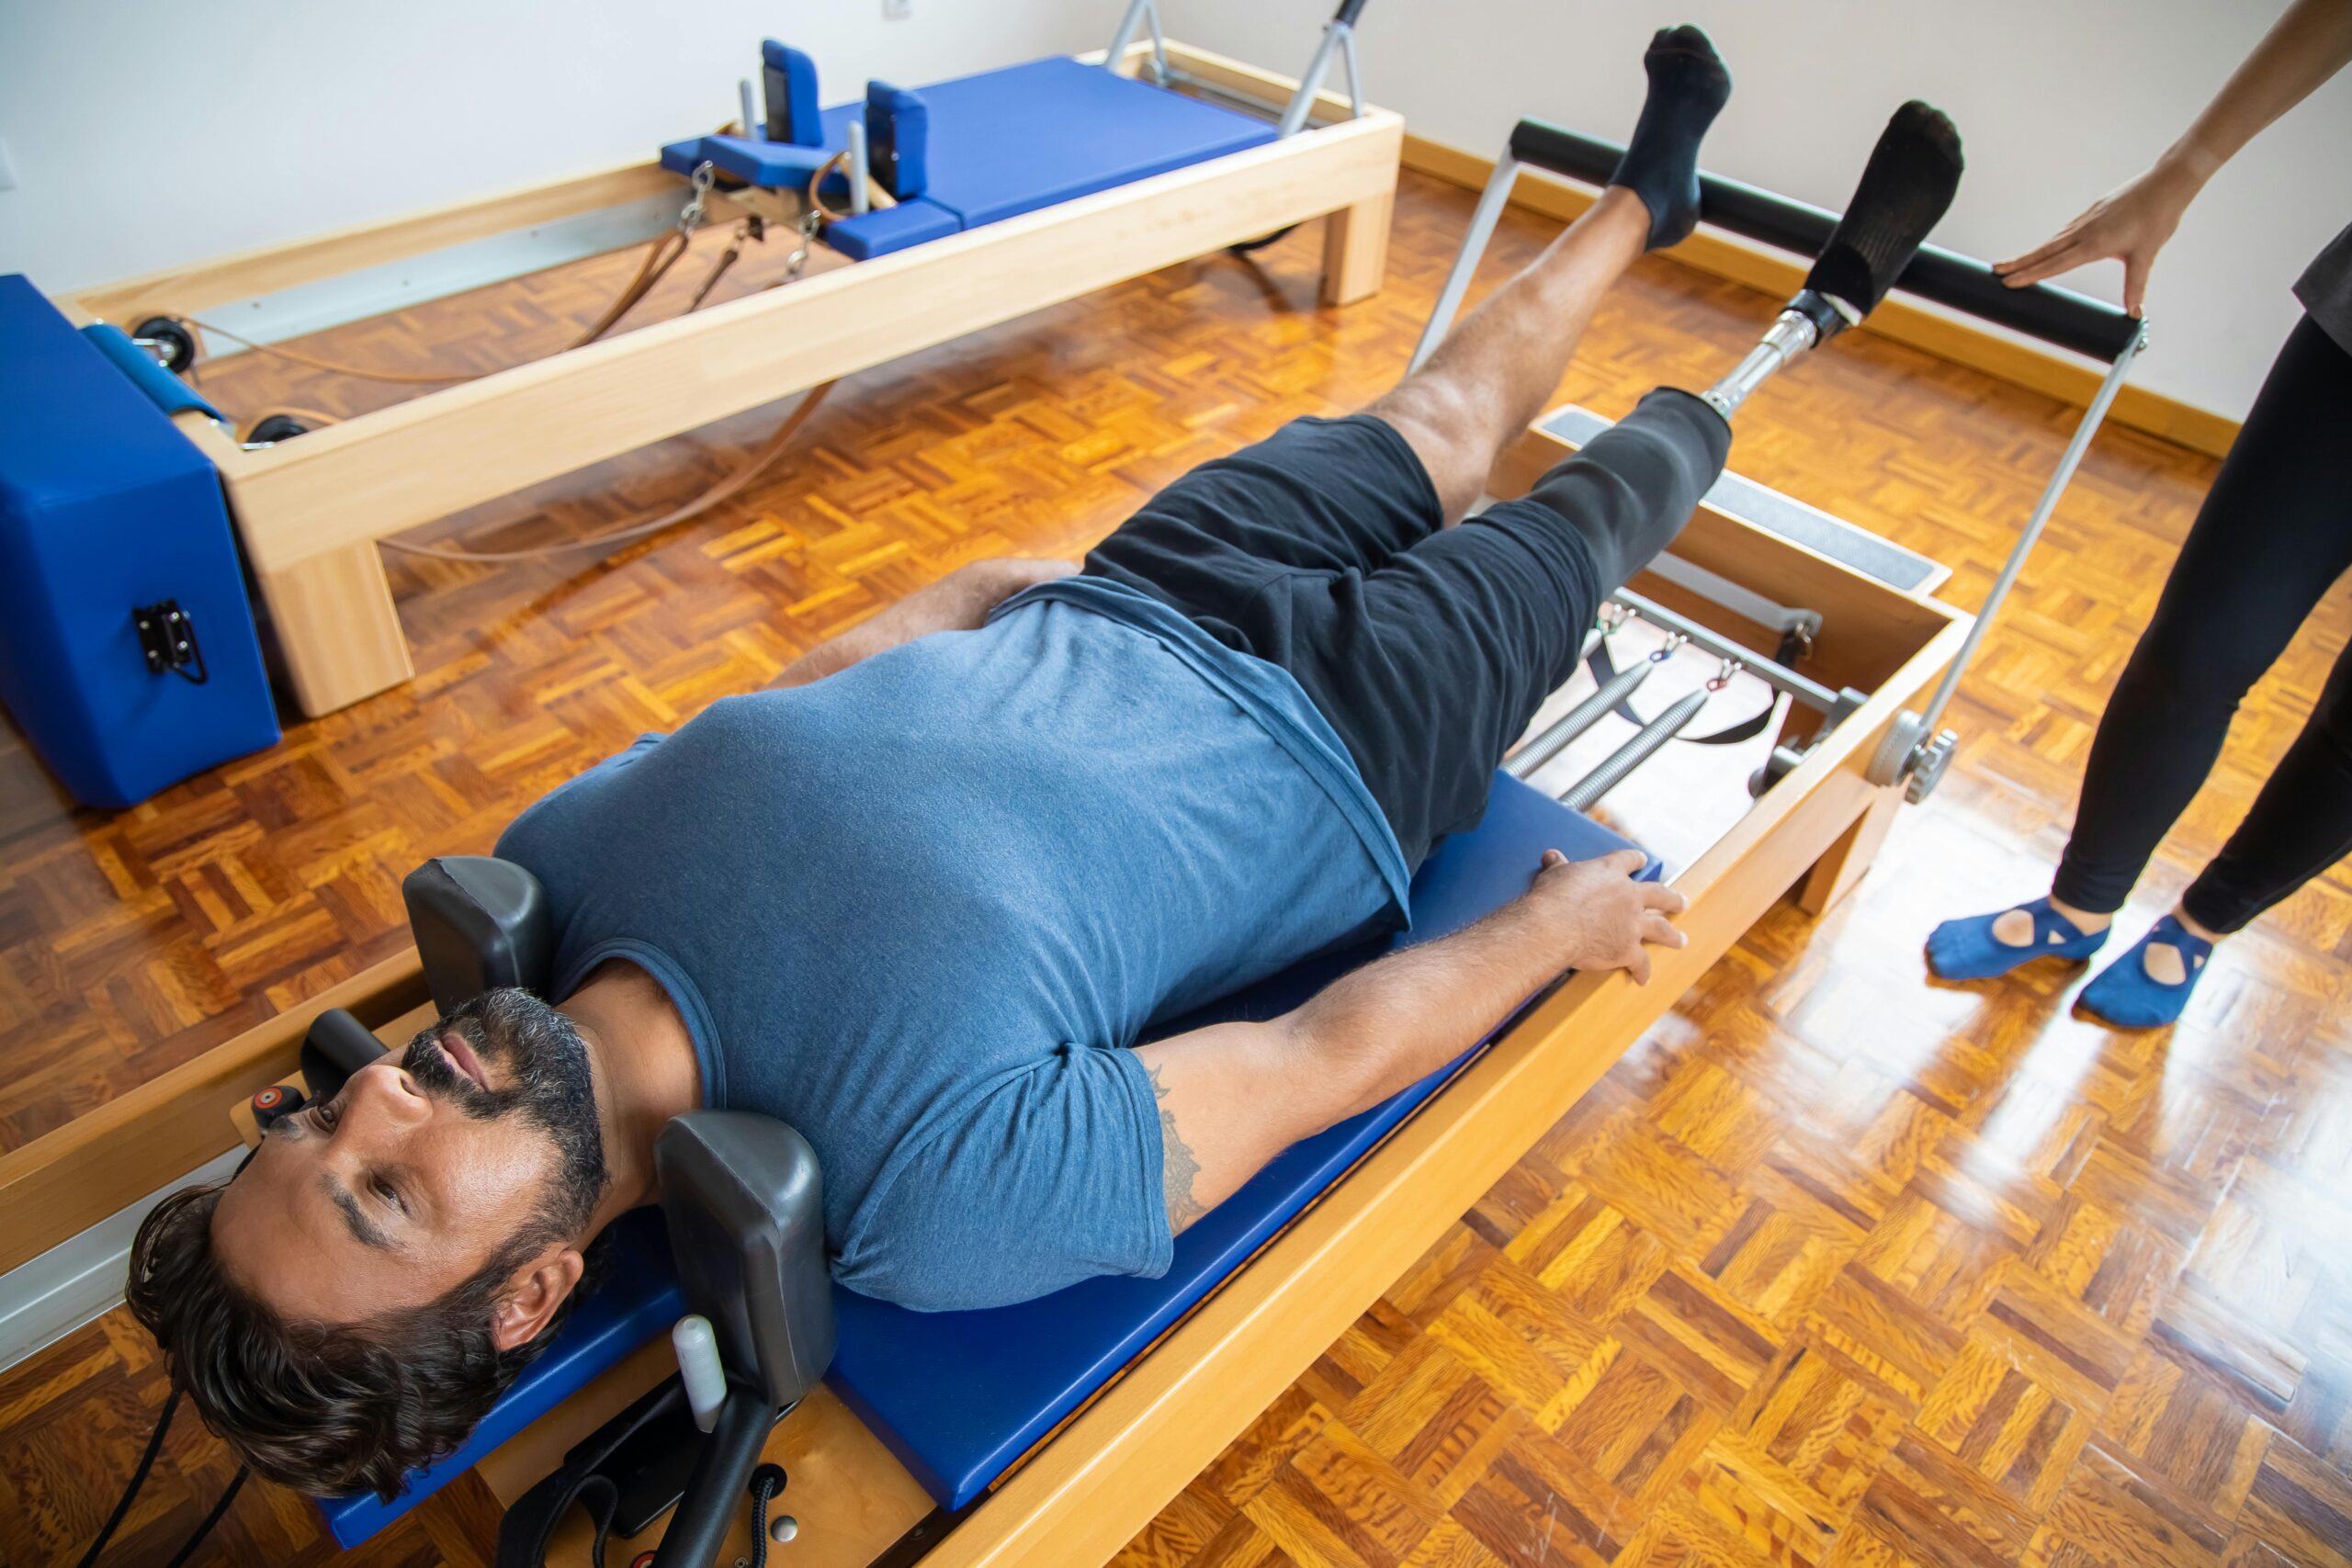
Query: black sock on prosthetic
[[1688, 86], [1907, 187]]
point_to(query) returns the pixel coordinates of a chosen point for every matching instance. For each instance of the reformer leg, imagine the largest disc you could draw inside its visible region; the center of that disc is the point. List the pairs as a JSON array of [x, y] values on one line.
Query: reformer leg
[[1835, 873], [338, 630], [1355, 249]]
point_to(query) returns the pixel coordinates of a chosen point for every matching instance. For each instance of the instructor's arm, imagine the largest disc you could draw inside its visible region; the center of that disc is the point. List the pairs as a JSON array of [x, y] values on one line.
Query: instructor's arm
[[1235, 1095], [2308, 44], [960, 602]]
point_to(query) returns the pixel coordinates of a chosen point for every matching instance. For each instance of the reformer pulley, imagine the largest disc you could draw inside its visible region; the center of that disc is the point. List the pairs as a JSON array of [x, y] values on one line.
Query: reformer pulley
[[169, 339]]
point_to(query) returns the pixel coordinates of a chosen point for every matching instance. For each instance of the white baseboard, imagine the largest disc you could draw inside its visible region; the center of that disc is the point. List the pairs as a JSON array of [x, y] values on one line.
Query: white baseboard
[[46, 1298]]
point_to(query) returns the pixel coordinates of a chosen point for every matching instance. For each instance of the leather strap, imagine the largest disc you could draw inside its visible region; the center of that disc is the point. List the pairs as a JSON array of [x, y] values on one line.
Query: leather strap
[[1604, 670]]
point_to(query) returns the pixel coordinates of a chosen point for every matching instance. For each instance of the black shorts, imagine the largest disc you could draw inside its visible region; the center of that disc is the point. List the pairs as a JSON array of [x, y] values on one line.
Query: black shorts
[[1323, 549]]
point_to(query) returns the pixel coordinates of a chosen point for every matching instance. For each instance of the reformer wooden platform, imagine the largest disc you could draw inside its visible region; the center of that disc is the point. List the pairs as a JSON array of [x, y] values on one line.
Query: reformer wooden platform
[[308, 511], [1081, 1494]]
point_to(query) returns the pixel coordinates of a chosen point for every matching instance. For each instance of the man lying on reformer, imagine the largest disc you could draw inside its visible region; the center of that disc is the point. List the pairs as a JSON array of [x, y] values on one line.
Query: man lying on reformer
[[922, 898]]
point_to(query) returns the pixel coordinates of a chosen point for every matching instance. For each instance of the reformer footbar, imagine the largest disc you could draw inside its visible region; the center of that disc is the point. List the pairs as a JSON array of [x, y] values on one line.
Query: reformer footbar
[[1914, 752]]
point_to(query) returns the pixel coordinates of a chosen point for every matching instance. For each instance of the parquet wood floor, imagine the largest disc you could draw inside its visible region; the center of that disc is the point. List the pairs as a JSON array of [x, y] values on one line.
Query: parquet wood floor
[[1839, 1269]]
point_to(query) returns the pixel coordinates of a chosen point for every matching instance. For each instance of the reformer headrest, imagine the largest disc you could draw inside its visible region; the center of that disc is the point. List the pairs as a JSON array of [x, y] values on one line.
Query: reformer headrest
[[745, 1206], [480, 923], [898, 136], [789, 78]]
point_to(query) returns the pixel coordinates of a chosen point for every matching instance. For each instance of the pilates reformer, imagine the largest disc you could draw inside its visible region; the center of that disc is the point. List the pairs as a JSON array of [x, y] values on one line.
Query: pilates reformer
[[1051, 1431], [979, 199]]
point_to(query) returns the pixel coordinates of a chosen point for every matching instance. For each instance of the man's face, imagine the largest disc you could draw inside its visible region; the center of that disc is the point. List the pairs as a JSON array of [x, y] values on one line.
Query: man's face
[[429, 1163]]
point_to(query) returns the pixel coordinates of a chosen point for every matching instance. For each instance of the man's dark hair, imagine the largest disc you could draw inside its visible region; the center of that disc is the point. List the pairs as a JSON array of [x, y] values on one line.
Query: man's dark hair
[[324, 1408]]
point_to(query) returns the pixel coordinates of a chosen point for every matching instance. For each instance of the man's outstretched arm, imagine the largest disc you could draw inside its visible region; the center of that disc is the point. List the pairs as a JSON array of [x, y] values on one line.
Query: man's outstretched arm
[[960, 602], [1233, 1095]]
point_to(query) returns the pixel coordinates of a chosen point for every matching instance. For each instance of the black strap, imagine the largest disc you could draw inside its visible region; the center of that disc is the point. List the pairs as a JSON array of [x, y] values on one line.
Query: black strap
[[1604, 670], [530, 1524]]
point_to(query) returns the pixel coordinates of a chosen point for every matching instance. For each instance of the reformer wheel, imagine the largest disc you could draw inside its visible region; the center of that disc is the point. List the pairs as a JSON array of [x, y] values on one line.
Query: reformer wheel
[[278, 427], [177, 343]]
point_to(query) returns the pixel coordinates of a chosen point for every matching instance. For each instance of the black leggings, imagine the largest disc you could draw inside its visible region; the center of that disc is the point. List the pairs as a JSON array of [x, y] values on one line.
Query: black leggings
[[2273, 536]]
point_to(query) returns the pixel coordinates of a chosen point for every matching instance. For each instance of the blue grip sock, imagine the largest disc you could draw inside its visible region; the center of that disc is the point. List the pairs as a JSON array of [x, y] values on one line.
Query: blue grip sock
[[1967, 949], [2124, 993]]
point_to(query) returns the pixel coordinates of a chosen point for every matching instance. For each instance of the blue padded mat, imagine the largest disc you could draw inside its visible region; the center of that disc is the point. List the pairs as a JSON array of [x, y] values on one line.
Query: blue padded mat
[[1010, 141], [958, 1396]]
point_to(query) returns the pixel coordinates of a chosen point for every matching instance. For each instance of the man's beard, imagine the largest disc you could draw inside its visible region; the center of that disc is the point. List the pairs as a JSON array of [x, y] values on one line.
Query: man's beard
[[544, 1062]]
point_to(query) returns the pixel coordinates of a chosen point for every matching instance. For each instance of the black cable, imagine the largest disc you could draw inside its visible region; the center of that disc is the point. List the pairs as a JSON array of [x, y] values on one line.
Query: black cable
[[1247, 246], [766, 1482], [138, 1479], [228, 1495]]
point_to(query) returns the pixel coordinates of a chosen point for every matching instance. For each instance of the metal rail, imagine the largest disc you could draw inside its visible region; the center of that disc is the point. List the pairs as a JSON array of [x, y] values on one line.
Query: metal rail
[[1779, 676]]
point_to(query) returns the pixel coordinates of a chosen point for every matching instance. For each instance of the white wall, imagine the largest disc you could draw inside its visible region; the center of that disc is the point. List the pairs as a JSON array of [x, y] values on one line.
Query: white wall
[[2058, 101], [148, 132]]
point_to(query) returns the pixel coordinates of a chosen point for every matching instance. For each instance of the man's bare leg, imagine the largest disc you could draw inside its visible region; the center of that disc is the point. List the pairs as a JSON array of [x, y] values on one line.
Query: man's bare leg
[[1498, 369]]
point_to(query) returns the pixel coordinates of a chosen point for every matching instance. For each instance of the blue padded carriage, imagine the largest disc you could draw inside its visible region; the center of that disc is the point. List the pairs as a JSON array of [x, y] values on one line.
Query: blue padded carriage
[[959, 1396], [1000, 145]]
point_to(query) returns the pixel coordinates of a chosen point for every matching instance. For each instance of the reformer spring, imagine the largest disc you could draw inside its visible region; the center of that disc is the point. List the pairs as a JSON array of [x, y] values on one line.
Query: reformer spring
[[1634, 753], [1558, 735]]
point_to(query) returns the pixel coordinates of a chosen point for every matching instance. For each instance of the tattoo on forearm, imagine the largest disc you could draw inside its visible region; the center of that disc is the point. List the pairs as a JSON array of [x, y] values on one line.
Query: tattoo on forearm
[[1177, 1166]]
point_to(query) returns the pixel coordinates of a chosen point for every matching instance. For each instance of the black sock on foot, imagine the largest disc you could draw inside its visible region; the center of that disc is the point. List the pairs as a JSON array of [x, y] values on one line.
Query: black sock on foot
[[1907, 187], [1688, 86]]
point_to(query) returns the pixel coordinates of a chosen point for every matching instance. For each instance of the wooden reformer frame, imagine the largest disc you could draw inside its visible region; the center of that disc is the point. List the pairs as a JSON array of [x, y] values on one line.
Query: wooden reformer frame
[[308, 511], [1085, 1490]]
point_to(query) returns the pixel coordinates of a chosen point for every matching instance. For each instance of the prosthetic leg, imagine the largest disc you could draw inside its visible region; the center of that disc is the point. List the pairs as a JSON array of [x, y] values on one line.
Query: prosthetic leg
[[1907, 185]]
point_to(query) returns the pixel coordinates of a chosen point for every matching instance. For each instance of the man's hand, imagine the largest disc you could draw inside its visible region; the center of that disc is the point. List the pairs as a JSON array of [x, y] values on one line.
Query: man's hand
[[1605, 919]]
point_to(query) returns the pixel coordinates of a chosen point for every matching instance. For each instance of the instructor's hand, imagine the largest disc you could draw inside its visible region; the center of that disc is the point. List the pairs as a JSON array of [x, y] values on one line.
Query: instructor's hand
[[1605, 918], [2129, 223]]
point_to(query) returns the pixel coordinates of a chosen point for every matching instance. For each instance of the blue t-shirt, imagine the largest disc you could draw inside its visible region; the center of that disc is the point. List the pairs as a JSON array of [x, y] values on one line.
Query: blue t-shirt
[[920, 909]]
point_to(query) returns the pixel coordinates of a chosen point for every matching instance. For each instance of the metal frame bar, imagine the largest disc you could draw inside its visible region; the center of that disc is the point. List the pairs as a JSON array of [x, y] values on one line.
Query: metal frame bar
[[2052, 492], [1489, 212], [1339, 38], [1138, 13], [860, 196], [1773, 673], [1745, 602]]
